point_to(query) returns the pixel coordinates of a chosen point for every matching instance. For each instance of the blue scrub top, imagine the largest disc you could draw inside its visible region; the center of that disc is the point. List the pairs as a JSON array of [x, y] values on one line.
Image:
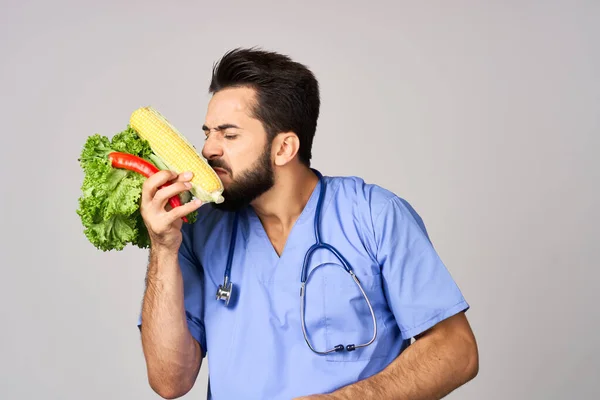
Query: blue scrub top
[[255, 346]]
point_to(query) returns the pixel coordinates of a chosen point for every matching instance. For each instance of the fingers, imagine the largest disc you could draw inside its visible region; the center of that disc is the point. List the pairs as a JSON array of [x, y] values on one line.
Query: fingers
[[152, 183], [163, 195], [184, 176], [162, 186], [163, 222], [175, 187], [184, 209]]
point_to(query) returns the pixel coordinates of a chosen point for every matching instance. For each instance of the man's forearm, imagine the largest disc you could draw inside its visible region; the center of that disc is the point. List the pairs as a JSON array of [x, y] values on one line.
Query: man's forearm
[[172, 355], [430, 368]]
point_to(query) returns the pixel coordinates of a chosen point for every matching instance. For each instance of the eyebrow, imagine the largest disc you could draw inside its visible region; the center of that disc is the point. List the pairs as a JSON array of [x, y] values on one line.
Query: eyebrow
[[220, 127]]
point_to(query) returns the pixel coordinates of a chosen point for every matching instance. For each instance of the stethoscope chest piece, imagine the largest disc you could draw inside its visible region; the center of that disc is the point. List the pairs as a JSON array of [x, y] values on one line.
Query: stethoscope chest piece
[[224, 292]]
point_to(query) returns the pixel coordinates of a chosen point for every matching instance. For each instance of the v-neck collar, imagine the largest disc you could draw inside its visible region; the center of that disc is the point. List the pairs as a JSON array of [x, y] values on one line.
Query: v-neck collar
[[255, 226]]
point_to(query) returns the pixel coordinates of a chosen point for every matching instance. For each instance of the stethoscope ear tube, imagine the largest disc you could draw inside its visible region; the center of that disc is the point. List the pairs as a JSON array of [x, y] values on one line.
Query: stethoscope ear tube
[[224, 290]]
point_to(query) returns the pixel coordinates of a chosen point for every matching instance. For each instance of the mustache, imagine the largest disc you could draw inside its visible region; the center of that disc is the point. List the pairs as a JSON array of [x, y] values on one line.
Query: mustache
[[218, 163]]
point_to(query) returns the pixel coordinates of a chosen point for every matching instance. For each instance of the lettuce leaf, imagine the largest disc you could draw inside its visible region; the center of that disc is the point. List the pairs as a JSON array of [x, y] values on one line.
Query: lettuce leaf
[[110, 200]]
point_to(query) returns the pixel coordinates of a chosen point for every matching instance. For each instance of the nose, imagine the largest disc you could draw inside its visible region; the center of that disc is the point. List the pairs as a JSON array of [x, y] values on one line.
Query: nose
[[212, 148]]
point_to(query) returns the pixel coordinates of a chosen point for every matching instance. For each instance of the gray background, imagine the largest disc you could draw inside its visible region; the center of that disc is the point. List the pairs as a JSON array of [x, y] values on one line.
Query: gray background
[[484, 115]]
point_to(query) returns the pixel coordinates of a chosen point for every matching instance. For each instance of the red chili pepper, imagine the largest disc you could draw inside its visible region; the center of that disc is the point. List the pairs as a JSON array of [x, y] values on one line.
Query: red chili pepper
[[141, 166]]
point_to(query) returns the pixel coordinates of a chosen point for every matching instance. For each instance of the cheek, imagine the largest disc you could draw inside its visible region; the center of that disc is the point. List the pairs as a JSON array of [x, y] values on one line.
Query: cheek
[[243, 158]]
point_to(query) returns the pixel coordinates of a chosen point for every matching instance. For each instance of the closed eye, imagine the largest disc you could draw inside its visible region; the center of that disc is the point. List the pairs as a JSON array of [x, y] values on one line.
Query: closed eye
[[229, 136]]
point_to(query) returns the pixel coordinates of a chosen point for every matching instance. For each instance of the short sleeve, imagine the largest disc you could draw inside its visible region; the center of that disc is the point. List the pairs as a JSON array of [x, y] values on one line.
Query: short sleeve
[[419, 288], [193, 289]]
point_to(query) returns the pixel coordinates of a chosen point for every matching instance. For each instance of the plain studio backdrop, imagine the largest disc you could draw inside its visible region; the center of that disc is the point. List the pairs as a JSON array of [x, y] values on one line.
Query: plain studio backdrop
[[484, 115]]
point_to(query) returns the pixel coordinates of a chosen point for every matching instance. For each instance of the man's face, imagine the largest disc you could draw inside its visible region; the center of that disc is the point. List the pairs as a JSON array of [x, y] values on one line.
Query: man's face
[[237, 148]]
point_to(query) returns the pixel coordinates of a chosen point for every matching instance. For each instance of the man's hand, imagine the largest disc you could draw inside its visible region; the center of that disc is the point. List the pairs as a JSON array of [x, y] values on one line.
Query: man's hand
[[441, 359], [164, 226]]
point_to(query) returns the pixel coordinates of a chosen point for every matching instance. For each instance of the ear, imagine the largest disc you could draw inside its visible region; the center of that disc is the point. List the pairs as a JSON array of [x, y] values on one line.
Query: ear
[[285, 147]]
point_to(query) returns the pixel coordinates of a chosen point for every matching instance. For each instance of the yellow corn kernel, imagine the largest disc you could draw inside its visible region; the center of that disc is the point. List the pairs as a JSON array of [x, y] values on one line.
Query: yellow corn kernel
[[177, 153]]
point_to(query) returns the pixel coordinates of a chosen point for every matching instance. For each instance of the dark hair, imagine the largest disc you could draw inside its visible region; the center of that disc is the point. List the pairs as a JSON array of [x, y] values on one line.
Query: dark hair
[[287, 92]]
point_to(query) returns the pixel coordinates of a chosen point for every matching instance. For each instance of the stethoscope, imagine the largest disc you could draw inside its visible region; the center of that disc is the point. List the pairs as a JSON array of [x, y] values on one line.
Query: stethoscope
[[224, 290]]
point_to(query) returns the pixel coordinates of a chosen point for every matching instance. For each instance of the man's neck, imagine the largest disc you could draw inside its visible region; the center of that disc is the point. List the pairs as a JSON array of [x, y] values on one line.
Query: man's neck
[[282, 205]]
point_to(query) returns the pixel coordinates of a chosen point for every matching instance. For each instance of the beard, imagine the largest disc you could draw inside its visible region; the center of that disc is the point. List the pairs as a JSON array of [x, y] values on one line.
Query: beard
[[249, 185]]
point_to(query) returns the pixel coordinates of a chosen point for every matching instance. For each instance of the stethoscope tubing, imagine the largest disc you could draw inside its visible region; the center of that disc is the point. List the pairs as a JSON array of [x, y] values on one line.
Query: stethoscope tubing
[[224, 291]]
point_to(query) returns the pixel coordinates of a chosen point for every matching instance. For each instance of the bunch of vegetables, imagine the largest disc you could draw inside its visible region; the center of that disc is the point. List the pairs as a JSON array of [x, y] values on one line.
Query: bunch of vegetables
[[115, 171]]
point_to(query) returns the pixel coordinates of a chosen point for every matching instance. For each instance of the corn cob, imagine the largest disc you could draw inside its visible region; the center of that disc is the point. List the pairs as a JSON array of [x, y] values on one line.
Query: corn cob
[[177, 153]]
